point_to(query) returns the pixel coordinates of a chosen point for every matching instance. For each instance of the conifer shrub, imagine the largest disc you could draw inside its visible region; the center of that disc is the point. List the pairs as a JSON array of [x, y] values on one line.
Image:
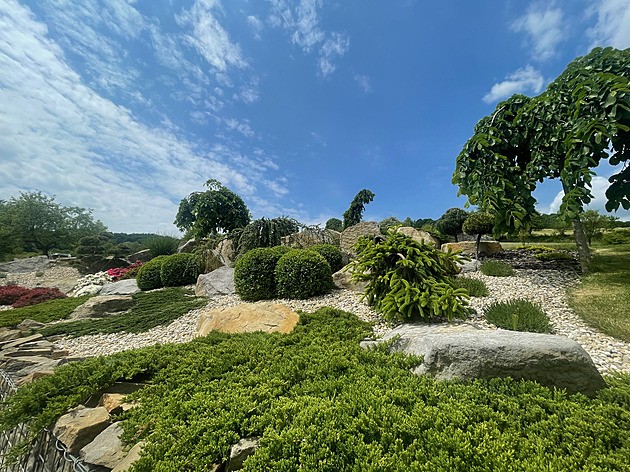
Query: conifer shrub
[[302, 273], [180, 269], [254, 273], [496, 268], [149, 277], [331, 253], [266, 232], [43, 312], [519, 315], [408, 280]]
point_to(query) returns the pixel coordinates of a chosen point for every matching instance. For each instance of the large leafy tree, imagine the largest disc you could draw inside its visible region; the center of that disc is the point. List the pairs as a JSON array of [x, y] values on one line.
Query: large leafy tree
[[582, 118], [354, 214], [38, 222], [217, 210]]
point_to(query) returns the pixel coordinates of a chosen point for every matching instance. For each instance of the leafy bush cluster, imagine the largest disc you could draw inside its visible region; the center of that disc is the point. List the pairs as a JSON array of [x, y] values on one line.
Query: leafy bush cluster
[[616, 237], [496, 268], [518, 315], [331, 253], [149, 310], [266, 273], [408, 280], [321, 403], [44, 312], [18, 297], [169, 271], [474, 287]]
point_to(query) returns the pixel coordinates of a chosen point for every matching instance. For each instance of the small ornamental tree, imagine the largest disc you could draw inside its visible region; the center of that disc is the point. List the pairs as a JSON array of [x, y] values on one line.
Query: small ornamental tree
[[451, 222], [408, 280], [354, 214], [335, 224], [594, 223], [478, 223], [217, 210]]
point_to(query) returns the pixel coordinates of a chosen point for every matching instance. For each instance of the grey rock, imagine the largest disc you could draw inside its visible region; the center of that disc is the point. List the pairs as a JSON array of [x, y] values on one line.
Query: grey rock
[[342, 280], [80, 426], [212, 260], [226, 251], [310, 237], [188, 246], [21, 367], [142, 256], [241, 451], [122, 287], [351, 235], [218, 282], [102, 306], [469, 266], [27, 325], [30, 264], [460, 351], [7, 334], [106, 449], [132, 456]]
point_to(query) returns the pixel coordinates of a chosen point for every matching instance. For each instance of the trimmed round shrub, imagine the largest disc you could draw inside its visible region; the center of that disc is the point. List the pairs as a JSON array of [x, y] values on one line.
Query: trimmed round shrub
[[302, 273], [331, 253], [518, 315], [180, 269], [149, 276], [496, 269], [254, 273]]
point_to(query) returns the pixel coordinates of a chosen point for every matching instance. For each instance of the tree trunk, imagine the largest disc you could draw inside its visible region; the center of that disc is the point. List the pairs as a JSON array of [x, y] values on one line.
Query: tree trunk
[[477, 246], [584, 253]]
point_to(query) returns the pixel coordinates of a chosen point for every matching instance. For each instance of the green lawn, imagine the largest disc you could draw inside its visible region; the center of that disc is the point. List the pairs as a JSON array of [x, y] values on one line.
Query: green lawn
[[602, 298]]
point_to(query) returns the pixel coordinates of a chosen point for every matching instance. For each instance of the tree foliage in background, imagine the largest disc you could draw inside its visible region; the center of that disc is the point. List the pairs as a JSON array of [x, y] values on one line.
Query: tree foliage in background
[[217, 210], [582, 118], [478, 223], [266, 232], [451, 222], [354, 214], [594, 223], [34, 221], [335, 224]]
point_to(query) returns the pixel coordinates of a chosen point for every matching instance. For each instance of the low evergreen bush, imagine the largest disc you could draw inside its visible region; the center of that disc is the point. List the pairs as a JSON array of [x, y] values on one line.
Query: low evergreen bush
[[496, 268], [331, 253], [148, 276], [302, 273], [474, 287], [254, 273], [180, 269], [44, 312], [518, 315]]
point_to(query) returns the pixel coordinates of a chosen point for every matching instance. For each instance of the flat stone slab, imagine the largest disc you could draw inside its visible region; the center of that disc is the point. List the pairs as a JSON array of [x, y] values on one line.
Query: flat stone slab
[[122, 287], [248, 318], [463, 352]]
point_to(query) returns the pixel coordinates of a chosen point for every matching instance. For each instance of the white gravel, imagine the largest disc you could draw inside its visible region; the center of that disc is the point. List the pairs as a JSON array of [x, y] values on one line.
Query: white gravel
[[545, 287]]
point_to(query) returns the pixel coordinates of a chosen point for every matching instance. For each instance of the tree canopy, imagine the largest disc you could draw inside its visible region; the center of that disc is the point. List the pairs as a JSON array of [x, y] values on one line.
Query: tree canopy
[[582, 118], [217, 210], [354, 214], [451, 222]]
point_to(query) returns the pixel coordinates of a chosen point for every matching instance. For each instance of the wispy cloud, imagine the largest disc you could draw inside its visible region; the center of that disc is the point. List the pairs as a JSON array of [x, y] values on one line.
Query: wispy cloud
[[364, 82], [544, 28], [613, 24], [256, 26], [524, 80], [301, 19]]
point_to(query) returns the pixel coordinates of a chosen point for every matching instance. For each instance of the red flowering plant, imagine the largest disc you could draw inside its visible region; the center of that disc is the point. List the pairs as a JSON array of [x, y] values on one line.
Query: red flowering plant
[[9, 294], [120, 273]]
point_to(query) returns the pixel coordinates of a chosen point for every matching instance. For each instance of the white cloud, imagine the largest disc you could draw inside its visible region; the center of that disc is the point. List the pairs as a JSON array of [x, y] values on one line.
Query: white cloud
[[613, 24], [209, 37], [524, 80], [364, 82], [334, 47], [256, 26], [544, 27], [60, 136]]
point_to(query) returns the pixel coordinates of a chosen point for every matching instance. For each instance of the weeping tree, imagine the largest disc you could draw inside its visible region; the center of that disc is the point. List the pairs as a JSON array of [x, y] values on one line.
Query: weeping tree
[[582, 118], [354, 214]]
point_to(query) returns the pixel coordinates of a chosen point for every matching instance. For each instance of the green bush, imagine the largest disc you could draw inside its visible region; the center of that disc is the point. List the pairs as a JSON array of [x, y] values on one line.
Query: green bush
[[496, 269], [161, 245], [474, 287], [43, 312], [322, 403], [148, 276], [180, 269], [616, 237], [536, 249], [518, 315], [302, 273], [331, 253], [554, 256], [408, 280], [254, 273]]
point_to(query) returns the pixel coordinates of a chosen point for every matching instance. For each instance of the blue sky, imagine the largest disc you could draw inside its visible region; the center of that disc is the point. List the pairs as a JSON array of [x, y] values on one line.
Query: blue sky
[[128, 106]]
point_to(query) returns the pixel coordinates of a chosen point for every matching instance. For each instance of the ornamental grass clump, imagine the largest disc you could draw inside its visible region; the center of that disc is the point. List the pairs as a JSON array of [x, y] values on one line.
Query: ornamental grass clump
[[474, 287], [518, 315], [496, 269], [408, 280]]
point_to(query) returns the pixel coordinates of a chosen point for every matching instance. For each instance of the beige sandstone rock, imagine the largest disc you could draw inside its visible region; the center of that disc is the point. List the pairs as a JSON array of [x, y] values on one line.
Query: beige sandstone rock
[[80, 426], [468, 247], [419, 235], [132, 456], [351, 235], [310, 237], [106, 450], [247, 318], [342, 280]]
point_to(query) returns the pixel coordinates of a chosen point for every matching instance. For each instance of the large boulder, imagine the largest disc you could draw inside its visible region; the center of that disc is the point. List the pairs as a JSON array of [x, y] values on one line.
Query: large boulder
[[212, 260], [468, 247], [419, 236], [30, 264], [227, 251], [247, 318], [341, 279], [80, 426], [142, 256], [461, 351], [351, 235], [106, 450], [310, 237], [122, 287], [218, 282], [102, 306]]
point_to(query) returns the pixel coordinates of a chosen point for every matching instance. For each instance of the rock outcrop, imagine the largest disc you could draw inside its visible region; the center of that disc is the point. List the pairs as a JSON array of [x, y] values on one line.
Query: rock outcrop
[[247, 318], [103, 306], [310, 237], [122, 287], [80, 426], [106, 450], [341, 279], [351, 235], [419, 235], [218, 282]]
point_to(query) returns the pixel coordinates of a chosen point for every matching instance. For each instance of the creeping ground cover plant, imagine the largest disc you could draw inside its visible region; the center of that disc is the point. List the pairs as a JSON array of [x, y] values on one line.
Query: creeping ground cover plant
[[408, 280]]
